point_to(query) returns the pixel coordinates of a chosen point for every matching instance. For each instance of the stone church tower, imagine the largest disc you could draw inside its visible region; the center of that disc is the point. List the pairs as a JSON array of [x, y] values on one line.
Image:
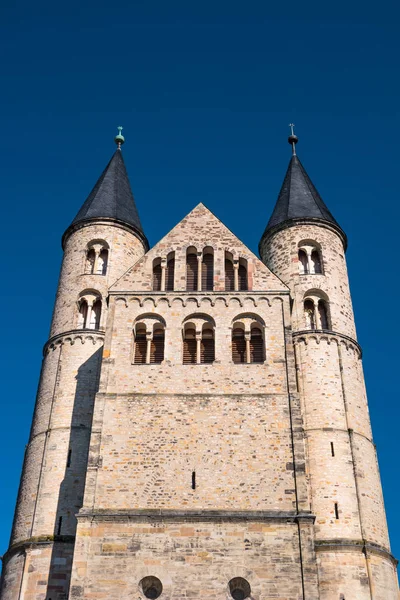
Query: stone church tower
[[201, 427]]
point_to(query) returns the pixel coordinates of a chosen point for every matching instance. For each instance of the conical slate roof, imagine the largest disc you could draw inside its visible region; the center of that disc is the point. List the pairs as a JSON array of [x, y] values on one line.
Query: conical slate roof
[[299, 200], [111, 197]]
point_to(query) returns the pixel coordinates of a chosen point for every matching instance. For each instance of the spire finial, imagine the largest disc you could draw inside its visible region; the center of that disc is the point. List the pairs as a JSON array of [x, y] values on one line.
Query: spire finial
[[119, 139], [293, 139]]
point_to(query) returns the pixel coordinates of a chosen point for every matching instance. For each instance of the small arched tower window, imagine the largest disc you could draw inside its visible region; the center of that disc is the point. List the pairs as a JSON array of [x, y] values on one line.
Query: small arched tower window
[[316, 266], [229, 273], [243, 285], [238, 345], [191, 270], [256, 345], [309, 314], [189, 345], [140, 344], [207, 346], [323, 314], [303, 262], [157, 345], [207, 270], [83, 310], [157, 275], [102, 262], [90, 260], [170, 272]]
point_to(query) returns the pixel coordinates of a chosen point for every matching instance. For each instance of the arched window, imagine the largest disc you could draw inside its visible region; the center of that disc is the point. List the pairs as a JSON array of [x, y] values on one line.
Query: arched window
[[238, 346], [83, 310], [102, 262], [157, 345], [207, 346], [242, 275], [256, 345], [309, 314], [303, 262], [189, 345], [316, 266], [207, 270], [229, 273], [140, 345], [170, 273], [90, 260], [191, 271], [157, 275], [95, 315], [323, 314]]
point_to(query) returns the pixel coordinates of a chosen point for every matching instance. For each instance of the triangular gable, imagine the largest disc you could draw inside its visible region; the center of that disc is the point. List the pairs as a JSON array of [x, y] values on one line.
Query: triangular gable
[[199, 229]]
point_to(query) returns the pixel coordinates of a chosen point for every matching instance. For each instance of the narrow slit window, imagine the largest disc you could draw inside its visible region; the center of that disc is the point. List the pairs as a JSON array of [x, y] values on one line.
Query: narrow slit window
[[69, 457], [59, 525], [332, 449], [336, 510], [193, 480]]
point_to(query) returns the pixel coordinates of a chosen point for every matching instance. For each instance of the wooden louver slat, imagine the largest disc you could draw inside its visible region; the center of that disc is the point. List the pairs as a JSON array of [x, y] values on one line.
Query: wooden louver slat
[[238, 346], [157, 278], [229, 276], [157, 348], [256, 346], [140, 349], [191, 272], [169, 275], [207, 273], [242, 278]]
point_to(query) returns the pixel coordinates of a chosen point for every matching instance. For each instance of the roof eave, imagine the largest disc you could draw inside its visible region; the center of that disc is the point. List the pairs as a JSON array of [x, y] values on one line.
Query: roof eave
[[106, 220], [270, 231]]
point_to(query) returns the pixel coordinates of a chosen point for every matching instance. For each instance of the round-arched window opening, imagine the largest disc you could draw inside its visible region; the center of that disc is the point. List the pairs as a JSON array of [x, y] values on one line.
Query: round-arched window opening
[[151, 587], [239, 588]]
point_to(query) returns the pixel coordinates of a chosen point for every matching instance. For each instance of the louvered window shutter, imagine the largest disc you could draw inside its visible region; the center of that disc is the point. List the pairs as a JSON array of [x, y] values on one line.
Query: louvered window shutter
[[207, 273], [189, 347], [191, 272], [157, 347], [256, 346], [207, 350], [238, 346], [169, 275], [229, 276], [157, 278], [140, 349], [242, 278]]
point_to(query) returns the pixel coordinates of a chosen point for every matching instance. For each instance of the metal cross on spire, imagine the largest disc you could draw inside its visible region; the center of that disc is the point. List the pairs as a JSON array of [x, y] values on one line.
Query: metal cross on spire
[[293, 139]]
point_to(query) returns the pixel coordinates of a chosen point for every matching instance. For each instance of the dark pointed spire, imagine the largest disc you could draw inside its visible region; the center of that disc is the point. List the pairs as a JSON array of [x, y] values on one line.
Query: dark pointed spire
[[299, 200], [112, 198]]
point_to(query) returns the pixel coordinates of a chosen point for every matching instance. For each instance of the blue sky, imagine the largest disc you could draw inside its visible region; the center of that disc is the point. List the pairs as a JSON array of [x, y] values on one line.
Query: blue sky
[[205, 92]]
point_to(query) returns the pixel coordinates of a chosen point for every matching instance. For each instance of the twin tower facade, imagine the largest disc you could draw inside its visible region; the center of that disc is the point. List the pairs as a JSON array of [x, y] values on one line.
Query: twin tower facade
[[201, 427]]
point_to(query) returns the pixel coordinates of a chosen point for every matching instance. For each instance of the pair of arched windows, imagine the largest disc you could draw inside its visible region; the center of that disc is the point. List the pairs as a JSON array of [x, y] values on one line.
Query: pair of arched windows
[[316, 312], [96, 259], [199, 270], [149, 343], [247, 347], [310, 262], [89, 314], [198, 348], [164, 273], [235, 274]]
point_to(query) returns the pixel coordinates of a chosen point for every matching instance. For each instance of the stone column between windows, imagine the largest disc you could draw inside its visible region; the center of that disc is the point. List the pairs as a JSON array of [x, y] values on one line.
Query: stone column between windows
[[247, 336], [163, 273], [309, 261], [199, 265], [198, 347], [86, 325], [236, 275], [149, 337], [97, 250], [317, 318]]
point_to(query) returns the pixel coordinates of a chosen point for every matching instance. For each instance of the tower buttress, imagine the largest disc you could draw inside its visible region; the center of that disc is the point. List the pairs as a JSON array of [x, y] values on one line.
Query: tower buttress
[[102, 242], [305, 246]]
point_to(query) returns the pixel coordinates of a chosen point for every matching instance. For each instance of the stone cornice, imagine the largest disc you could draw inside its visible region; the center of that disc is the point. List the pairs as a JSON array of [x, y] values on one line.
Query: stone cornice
[[82, 335], [320, 334], [34, 542], [348, 545]]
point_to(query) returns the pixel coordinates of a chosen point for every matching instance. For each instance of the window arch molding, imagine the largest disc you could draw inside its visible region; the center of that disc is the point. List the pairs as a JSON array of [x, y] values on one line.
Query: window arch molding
[[316, 310], [96, 257], [148, 339], [89, 303], [309, 254], [198, 339], [248, 339], [236, 272]]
